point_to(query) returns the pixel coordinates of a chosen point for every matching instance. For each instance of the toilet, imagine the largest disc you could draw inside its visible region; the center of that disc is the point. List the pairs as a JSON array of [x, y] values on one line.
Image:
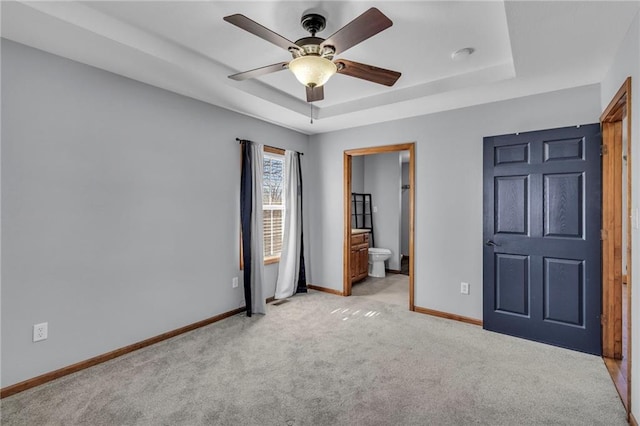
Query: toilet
[[377, 257]]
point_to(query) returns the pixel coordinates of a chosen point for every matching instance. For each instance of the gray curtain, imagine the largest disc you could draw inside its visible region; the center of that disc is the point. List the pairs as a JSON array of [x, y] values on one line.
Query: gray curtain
[[252, 228], [291, 271]]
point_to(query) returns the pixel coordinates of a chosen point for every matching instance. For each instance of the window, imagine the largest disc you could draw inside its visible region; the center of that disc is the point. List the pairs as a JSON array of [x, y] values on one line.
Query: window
[[273, 203]]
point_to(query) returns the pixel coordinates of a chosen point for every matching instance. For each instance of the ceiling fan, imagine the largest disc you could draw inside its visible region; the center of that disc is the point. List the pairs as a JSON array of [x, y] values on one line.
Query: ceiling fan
[[313, 57]]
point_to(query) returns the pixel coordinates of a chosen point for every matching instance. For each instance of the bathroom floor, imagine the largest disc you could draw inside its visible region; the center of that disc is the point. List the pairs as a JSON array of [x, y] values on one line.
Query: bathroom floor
[[394, 288]]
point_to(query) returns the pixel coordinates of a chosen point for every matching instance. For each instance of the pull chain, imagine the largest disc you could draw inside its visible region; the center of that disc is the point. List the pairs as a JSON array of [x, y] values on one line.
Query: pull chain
[[311, 112]]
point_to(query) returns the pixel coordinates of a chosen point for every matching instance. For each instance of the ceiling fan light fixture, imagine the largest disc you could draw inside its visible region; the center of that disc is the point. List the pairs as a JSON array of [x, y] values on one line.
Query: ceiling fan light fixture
[[312, 71]]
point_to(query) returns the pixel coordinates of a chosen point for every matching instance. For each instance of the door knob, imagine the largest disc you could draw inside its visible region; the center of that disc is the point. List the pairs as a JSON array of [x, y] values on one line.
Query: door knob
[[491, 243]]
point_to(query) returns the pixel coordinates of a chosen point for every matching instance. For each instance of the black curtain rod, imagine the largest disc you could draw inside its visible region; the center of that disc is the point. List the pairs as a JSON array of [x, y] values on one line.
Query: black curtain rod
[[273, 147]]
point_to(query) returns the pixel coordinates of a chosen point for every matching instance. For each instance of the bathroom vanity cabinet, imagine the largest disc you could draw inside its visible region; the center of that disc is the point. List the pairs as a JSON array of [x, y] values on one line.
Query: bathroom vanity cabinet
[[359, 256]]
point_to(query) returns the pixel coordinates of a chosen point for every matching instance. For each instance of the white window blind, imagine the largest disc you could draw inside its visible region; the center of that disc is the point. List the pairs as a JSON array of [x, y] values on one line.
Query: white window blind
[[273, 204]]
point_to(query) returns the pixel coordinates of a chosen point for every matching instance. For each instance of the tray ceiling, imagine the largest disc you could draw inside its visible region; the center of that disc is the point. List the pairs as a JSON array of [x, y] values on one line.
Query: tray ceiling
[[521, 48]]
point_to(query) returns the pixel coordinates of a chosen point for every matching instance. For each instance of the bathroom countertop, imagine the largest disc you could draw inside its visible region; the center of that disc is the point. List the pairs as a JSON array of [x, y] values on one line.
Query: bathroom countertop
[[359, 231]]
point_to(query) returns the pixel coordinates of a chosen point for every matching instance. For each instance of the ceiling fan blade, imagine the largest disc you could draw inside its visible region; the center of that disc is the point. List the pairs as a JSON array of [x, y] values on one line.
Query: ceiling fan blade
[[367, 72], [259, 71], [254, 28], [364, 26], [315, 94]]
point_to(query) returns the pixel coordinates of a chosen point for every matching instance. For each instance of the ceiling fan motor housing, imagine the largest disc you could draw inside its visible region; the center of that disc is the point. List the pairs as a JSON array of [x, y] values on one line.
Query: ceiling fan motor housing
[[311, 46], [313, 23]]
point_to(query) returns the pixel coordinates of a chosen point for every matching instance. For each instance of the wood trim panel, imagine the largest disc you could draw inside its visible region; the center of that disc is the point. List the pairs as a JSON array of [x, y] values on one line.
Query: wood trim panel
[[447, 315], [620, 103], [325, 289], [608, 213], [380, 149], [619, 379], [56, 374], [613, 232], [412, 199], [629, 116], [273, 150], [617, 255], [612, 132], [612, 239], [346, 244], [346, 249]]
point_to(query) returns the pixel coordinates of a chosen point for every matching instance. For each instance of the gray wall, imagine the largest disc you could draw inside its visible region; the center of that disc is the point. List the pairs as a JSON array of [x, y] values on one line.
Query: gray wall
[[119, 210], [448, 188], [357, 174], [627, 63], [382, 181]]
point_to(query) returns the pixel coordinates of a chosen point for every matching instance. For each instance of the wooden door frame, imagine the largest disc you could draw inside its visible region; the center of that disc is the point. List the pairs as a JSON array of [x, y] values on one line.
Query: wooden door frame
[[611, 123], [346, 249]]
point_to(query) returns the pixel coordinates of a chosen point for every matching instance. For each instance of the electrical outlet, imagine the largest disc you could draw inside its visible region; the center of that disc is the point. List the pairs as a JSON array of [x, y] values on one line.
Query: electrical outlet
[[40, 331], [464, 288], [234, 282]]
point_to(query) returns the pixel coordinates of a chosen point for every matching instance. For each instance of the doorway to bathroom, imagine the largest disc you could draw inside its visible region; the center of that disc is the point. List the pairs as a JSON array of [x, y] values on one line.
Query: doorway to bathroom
[[401, 193]]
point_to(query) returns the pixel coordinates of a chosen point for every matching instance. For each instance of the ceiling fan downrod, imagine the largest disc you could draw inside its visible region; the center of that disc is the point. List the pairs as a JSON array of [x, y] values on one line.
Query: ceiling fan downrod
[[313, 23]]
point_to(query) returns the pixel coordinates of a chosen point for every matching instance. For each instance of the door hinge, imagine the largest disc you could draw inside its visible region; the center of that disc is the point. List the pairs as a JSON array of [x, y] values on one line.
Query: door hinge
[[604, 150]]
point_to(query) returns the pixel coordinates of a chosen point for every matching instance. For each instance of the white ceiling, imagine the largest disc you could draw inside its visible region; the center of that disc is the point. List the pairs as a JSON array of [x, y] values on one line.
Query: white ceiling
[[521, 48]]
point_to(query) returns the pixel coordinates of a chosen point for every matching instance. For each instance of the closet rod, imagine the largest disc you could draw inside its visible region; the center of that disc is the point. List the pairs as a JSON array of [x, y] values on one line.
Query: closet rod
[[273, 147]]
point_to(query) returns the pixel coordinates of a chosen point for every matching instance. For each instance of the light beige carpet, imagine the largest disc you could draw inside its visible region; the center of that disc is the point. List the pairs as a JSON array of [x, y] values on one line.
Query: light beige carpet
[[321, 359]]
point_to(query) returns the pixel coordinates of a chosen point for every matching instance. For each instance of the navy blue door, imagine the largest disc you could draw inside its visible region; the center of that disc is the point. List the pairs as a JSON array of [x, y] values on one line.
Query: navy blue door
[[541, 259]]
